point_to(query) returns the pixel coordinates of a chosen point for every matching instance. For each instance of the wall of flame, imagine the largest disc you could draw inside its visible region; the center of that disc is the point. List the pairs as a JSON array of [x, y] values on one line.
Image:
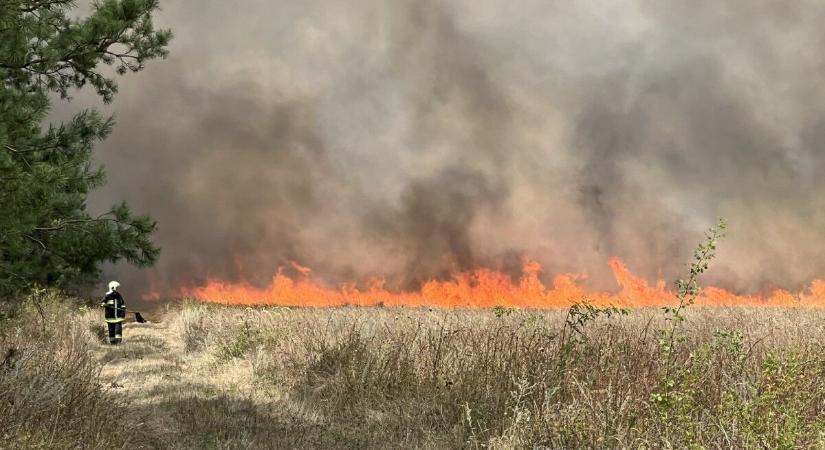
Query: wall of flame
[[486, 288]]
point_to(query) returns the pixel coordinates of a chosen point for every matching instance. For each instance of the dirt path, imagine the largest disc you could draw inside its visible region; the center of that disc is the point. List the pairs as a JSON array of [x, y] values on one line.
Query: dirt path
[[145, 369], [194, 400]]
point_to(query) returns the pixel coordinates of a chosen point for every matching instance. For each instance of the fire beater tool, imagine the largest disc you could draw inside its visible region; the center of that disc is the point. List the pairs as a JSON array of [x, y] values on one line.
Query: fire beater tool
[[138, 317]]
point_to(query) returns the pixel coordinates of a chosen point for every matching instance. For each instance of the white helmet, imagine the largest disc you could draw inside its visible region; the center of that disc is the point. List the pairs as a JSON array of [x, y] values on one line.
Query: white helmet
[[113, 285]]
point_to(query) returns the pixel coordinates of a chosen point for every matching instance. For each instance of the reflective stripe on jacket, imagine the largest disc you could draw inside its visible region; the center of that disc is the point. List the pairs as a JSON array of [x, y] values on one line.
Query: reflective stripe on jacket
[[114, 307]]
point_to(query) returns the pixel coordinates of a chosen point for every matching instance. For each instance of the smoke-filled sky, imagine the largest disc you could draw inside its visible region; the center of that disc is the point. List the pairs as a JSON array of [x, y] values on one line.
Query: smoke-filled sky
[[412, 138]]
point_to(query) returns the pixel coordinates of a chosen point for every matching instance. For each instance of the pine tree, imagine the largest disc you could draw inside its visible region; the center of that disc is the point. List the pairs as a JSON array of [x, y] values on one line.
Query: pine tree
[[47, 236]]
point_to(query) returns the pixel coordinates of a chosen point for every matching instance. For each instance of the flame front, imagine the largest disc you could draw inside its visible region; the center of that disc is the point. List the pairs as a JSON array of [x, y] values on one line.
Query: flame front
[[485, 288]]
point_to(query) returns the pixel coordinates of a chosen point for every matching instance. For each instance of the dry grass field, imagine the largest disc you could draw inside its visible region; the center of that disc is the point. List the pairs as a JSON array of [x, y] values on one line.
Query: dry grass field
[[206, 376]]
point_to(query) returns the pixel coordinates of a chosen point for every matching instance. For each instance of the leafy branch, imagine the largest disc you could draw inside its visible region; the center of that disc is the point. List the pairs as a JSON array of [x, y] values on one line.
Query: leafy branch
[[687, 291]]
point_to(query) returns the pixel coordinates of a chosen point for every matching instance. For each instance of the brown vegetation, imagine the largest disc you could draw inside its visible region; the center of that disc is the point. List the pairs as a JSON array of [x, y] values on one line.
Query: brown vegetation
[[51, 392], [217, 377]]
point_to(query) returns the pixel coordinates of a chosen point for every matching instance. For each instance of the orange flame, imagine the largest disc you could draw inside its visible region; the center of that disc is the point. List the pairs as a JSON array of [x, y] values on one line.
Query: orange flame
[[485, 288]]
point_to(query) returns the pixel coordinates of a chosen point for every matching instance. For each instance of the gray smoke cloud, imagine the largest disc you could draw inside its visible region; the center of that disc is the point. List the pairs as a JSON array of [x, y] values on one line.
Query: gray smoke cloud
[[412, 138]]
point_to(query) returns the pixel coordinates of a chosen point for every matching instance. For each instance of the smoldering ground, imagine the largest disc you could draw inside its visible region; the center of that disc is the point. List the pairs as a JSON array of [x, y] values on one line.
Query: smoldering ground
[[410, 139]]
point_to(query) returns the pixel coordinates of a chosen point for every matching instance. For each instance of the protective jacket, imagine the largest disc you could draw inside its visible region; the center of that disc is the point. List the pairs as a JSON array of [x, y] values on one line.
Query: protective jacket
[[114, 307]]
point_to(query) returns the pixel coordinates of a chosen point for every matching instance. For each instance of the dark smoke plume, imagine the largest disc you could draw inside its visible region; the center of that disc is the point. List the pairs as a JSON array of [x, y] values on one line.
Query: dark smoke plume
[[412, 138]]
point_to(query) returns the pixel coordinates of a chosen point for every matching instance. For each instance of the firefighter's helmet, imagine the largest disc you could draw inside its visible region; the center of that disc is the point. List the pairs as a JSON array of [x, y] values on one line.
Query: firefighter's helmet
[[113, 285]]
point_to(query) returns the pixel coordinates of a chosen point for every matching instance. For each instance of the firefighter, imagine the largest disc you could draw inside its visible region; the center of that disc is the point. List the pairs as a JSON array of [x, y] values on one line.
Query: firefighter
[[115, 312]]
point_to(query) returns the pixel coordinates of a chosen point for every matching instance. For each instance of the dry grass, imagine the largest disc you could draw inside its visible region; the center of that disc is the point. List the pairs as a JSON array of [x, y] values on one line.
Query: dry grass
[[51, 393], [220, 377], [372, 378]]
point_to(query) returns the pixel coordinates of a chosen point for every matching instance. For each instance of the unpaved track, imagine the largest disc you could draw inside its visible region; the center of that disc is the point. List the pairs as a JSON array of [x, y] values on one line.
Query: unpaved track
[[193, 400], [145, 369]]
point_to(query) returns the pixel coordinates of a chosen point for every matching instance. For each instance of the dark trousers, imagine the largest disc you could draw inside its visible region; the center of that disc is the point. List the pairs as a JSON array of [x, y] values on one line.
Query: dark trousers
[[115, 332]]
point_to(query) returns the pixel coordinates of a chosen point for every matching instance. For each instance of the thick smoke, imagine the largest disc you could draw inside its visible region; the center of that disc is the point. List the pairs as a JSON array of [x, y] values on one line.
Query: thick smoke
[[412, 138]]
